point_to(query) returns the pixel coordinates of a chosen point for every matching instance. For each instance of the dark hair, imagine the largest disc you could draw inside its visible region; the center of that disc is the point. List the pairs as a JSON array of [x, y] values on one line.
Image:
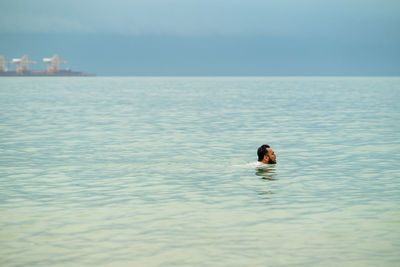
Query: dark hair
[[262, 151]]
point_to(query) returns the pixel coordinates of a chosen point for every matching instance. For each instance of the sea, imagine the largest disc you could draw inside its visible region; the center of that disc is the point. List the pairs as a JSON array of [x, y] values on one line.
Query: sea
[[161, 171]]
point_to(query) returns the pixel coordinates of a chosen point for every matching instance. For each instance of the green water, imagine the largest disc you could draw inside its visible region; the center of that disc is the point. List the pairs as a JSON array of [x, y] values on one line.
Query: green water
[[158, 171]]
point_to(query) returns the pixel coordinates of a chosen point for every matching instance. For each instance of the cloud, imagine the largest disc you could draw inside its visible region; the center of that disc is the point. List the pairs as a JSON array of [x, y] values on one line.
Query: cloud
[[199, 18], [42, 24]]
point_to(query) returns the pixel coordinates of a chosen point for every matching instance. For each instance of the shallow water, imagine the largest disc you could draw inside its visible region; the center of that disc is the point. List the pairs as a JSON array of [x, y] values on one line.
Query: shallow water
[[158, 171]]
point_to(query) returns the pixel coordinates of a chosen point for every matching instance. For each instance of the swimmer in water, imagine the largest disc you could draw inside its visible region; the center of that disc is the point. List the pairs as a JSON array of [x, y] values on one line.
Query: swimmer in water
[[266, 155]]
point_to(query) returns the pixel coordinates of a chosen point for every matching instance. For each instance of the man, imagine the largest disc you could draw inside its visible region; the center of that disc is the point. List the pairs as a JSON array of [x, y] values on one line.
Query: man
[[266, 155]]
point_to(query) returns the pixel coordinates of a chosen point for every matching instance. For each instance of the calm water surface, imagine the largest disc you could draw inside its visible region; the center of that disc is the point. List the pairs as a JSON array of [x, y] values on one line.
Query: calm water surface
[[157, 171]]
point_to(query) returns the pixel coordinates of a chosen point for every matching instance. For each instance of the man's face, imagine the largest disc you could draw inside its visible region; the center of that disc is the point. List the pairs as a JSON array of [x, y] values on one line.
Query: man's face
[[271, 156]]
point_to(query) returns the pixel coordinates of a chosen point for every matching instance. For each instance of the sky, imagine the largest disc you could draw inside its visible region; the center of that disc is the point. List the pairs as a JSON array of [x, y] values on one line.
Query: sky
[[208, 37]]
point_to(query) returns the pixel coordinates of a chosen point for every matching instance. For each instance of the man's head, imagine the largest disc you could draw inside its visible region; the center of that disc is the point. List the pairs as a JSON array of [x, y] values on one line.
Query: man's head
[[266, 155]]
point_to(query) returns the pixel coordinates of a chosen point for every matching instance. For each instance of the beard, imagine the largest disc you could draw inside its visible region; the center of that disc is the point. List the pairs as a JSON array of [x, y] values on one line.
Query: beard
[[270, 161]]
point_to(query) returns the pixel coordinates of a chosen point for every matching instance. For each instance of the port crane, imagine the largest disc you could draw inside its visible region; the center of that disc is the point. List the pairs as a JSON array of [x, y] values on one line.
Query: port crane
[[22, 67], [53, 64], [22, 64], [3, 63]]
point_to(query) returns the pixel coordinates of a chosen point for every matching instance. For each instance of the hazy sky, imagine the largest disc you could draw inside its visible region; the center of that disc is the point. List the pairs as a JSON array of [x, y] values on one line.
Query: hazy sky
[[208, 37]]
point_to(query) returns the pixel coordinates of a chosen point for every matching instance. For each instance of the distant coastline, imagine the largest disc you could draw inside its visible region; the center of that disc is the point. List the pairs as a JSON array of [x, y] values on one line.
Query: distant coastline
[[43, 73], [22, 68]]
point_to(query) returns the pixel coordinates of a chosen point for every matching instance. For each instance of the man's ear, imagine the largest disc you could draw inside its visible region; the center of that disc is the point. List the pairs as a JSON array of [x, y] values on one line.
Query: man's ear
[[266, 157]]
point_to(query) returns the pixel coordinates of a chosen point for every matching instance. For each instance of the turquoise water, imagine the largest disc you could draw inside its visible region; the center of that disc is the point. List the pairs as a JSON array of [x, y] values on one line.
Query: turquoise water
[[158, 171]]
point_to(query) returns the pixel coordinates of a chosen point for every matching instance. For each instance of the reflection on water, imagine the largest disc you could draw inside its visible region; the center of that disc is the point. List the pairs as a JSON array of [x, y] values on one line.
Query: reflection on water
[[267, 173]]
